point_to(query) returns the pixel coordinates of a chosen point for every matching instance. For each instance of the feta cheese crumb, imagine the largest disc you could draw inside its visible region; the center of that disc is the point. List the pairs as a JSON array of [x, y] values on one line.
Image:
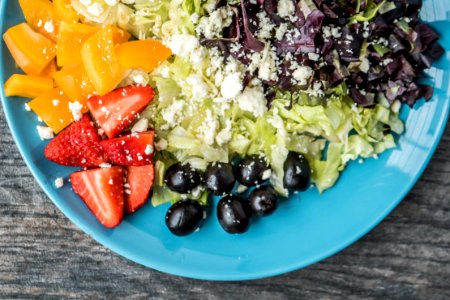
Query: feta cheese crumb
[[285, 8], [59, 182], [148, 150], [55, 102], [182, 44], [95, 9], [303, 74], [161, 145], [104, 165], [44, 132], [241, 189], [253, 100], [75, 108], [27, 107], [231, 86], [111, 2], [140, 125], [266, 174], [48, 26]]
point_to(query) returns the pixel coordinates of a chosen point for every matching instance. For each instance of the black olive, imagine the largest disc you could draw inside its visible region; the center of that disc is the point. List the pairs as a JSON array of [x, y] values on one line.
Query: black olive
[[219, 179], [184, 217], [263, 201], [297, 172], [252, 170], [182, 178], [234, 214]]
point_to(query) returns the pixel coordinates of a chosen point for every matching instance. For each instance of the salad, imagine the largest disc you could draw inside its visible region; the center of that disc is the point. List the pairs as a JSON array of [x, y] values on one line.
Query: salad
[[248, 100]]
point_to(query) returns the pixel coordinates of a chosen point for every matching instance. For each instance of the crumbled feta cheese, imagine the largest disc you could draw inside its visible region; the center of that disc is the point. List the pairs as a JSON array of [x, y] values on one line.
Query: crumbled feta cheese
[[27, 107], [75, 108], [44, 132], [148, 149], [313, 56], [183, 44], [241, 189], [253, 100], [266, 174], [212, 26], [111, 2], [48, 26], [161, 145], [95, 9], [281, 30], [302, 74], [207, 130], [140, 126], [172, 113], [285, 8], [199, 88], [364, 66], [59, 182], [231, 86], [225, 135], [55, 102], [86, 2], [104, 165]]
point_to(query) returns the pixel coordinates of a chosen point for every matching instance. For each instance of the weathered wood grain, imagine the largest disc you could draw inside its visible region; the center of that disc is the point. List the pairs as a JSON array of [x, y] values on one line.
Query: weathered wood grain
[[42, 255]]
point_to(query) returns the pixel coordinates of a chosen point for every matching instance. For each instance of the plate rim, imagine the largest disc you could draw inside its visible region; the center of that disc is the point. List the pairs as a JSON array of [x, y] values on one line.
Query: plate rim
[[191, 273]]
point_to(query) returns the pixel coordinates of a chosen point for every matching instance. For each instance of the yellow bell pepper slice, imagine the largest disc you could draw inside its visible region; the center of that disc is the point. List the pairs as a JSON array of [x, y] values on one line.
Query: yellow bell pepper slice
[[70, 40], [101, 63], [53, 108], [146, 54], [65, 12], [41, 16], [75, 83], [27, 86], [31, 50]]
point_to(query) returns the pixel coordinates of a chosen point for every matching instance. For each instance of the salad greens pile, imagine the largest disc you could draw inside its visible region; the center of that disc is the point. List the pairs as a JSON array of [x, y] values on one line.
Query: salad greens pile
[[209, 108]]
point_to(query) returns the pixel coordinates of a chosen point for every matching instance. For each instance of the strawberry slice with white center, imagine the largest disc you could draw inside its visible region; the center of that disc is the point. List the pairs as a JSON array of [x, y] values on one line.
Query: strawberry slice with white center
[[135, 149], [102, 191], [137, 187], [115, 111]]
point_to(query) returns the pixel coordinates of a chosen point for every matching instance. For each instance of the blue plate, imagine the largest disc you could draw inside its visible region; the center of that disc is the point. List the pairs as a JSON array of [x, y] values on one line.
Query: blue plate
[[305, 228]]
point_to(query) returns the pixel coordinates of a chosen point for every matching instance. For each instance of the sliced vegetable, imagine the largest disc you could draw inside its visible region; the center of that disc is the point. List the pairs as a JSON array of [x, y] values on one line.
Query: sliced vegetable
[[70, 40], [31, 50], [74, 82], [100, 61], [27, 86], [53, 108], [49, 70], [65, 12], [146, 55], [41, 16]]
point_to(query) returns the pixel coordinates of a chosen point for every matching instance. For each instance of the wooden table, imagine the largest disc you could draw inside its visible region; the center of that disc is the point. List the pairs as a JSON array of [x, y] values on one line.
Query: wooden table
[[42, 255]]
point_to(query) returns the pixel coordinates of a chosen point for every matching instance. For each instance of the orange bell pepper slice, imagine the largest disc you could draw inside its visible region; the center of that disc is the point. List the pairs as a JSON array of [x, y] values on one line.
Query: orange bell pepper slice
[[146, 54], [27, 86], [75, 83], [53, 108], [70, 40], [101, 63], [31, 50], [65, 12], [41, 16]]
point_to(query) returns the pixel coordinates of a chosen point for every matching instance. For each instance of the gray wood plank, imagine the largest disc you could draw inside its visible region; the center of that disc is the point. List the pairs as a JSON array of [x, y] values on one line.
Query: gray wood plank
[[42, 255]]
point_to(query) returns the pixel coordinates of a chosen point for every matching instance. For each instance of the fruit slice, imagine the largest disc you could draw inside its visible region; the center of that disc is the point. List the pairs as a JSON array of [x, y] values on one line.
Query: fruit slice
[[100, 61], [138, 185], [135, 149], [102, 191], [116, 110], [41, 16], [78, 146], [53, 108], [75, 83], [65, 12], [27, 86], [146, 54], [31, 50], [70, 40]]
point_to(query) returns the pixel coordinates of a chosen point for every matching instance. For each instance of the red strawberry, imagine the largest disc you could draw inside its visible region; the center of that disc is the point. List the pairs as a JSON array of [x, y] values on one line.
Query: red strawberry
[[78, 146], [135, 149], [138, 185], [102, 191], [116, 110]]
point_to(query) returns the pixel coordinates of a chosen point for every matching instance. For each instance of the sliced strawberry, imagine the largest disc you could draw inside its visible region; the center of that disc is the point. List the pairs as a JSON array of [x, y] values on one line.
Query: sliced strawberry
[[78, 145], [116, 110], [135, 149], [137, 187], [102, 191]]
